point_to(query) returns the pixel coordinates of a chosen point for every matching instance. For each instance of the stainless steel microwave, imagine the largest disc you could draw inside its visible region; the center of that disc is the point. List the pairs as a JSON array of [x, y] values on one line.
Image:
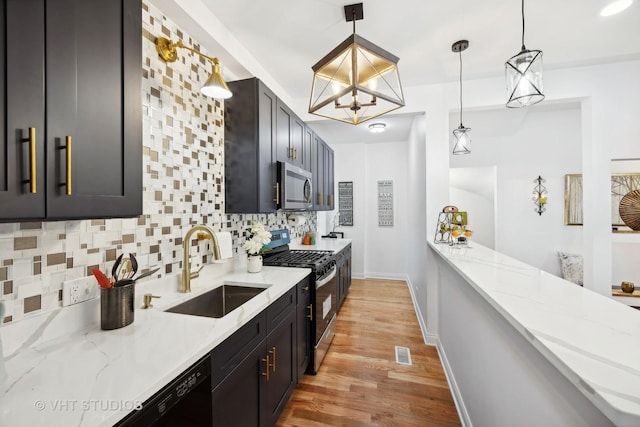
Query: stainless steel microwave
[[295, 188]]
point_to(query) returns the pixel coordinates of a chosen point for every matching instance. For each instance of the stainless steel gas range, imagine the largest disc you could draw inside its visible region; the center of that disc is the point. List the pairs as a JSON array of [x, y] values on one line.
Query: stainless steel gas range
[[323, 296]]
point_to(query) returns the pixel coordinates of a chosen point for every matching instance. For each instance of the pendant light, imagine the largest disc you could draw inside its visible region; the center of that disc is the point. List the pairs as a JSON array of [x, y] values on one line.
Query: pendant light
[[524, 76], [357, 80], [462, 135]]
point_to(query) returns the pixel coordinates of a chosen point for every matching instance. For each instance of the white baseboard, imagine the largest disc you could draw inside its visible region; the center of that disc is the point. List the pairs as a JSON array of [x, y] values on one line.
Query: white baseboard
[[430, 339], [453, 386], [388, 276]]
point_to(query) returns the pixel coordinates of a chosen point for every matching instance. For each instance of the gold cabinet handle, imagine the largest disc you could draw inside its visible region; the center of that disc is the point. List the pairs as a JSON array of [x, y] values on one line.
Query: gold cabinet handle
[[295, 153], [310, 315], [32, 160], [290, 152], [330, 199], [68, 146], [277, 199], [321, 198], [273, 352], [266, 374]]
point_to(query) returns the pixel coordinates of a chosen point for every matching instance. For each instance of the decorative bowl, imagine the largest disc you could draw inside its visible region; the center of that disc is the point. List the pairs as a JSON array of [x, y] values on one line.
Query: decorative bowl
[[627, 287]]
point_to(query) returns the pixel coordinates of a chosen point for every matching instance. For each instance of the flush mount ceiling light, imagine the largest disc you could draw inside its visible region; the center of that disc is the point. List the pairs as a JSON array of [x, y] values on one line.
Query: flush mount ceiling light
[[215, 87], [462, 135], [357, 80], [524, 76], [615, 7], [377, 127]]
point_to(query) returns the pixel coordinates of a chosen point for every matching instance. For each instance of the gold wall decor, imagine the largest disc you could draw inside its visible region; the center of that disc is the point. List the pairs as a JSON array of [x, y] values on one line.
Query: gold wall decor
[[621, 184]]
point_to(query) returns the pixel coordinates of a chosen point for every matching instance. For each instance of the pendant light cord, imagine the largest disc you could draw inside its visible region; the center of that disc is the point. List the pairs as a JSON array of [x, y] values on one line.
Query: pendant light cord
[[523, 48], [460, 53]]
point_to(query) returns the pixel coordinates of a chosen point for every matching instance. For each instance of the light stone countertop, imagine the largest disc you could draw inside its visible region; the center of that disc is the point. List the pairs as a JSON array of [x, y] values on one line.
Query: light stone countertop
[[592, 339], [326, 244], [63, 370]]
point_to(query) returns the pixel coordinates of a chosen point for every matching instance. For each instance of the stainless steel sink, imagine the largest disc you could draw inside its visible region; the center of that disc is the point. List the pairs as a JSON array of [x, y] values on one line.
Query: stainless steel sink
[[217, 302]]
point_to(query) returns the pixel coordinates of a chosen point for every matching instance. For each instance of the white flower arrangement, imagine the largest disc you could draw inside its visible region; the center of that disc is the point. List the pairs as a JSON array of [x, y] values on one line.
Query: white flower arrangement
[[258, 238]]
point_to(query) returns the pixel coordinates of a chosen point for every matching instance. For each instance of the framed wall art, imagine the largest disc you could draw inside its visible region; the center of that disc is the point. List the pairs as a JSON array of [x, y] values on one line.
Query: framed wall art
[[621, 185], [385, 203], [345, 202]]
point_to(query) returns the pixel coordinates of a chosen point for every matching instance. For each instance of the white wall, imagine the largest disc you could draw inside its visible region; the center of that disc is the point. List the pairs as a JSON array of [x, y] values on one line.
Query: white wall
[[377, 251], [417, 217], [474, 190], [345, 169], [522, 144], [386, 247]]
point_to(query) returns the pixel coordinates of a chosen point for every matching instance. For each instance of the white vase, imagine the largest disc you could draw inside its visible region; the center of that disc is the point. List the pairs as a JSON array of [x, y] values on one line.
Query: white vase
[[254, 264]]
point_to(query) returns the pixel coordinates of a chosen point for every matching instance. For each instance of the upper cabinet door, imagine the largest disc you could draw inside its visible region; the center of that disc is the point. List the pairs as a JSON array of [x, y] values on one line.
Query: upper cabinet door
[[22, 180], [93, 107], [306, 149], [284, 121], [290, 136]]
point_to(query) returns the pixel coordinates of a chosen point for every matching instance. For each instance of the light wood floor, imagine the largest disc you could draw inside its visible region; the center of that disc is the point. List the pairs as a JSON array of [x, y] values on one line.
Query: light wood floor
[[360, 383]]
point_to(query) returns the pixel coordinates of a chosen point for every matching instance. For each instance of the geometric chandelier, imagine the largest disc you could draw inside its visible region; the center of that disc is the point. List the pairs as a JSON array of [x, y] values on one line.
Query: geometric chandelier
[[357, 80], [523, 73]]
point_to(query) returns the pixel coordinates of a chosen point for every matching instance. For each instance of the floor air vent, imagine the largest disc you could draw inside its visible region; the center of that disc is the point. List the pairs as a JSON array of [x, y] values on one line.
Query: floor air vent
[[403, 356]]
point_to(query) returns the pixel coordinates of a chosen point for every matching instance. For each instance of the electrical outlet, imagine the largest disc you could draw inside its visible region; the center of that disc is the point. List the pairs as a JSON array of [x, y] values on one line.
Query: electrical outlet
[[79, 290]]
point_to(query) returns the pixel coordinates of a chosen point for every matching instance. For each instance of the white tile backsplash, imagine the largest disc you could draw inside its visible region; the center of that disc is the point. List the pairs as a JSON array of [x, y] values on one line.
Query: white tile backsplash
[[183, 160]]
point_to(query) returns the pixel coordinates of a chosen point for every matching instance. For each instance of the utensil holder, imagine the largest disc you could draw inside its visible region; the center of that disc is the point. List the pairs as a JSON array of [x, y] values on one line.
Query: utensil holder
[[116, 307]]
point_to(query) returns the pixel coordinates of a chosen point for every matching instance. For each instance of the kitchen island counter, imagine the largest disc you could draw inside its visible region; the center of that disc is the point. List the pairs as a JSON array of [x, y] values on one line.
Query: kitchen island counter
[[62, 369], [554, 353]]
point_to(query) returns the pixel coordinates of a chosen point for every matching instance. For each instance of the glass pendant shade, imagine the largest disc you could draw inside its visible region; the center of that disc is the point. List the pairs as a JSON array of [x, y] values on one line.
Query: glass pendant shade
[[523, 74], [355, 82], [216, 87], [461, 140]]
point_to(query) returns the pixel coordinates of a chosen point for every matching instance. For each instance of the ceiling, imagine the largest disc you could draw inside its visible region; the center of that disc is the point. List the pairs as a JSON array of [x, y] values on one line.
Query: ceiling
[[287, 37]]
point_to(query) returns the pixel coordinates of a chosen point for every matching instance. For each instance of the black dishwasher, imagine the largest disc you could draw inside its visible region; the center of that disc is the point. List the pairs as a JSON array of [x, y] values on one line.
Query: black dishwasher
[[186, 401]]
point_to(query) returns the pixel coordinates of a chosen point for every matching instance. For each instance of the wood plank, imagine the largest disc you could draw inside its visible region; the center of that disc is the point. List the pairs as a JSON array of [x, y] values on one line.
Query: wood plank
[[360, 383]]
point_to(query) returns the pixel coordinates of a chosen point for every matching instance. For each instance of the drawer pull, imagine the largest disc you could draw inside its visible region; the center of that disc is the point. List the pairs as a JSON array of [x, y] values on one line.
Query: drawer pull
[[68, 168], [266, 374], [273, 365], [310, 315], [277, 199], [32, 160]]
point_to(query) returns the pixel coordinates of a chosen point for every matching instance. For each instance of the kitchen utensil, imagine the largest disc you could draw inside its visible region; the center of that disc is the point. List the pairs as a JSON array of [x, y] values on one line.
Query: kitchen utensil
[[147, 274], [114, 269], [134, 266], [125, 267], [102, 279]]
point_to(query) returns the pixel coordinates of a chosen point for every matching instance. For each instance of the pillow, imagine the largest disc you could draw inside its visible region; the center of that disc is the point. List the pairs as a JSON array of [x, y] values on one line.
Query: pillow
[[572, 267]]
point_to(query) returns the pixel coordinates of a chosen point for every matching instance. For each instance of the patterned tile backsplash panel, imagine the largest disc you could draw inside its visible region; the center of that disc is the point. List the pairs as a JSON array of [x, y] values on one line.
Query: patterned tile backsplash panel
[[183, 161]]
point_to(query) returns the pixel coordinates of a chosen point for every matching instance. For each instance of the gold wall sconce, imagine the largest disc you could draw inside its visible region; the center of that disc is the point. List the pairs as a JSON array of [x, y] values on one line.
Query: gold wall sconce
[[357, 80], [215, 87], [539, 195]]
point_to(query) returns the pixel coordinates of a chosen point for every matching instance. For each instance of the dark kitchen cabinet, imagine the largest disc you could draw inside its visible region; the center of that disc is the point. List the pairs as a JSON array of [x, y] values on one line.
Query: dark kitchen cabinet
[[85, 160], [322, 175], [304, 312], [343, 265], [292, 145], [254, 370], [250, 148]]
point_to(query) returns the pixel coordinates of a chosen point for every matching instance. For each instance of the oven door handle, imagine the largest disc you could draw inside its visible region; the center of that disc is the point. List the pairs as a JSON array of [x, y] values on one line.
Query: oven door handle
[[320, 283]]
